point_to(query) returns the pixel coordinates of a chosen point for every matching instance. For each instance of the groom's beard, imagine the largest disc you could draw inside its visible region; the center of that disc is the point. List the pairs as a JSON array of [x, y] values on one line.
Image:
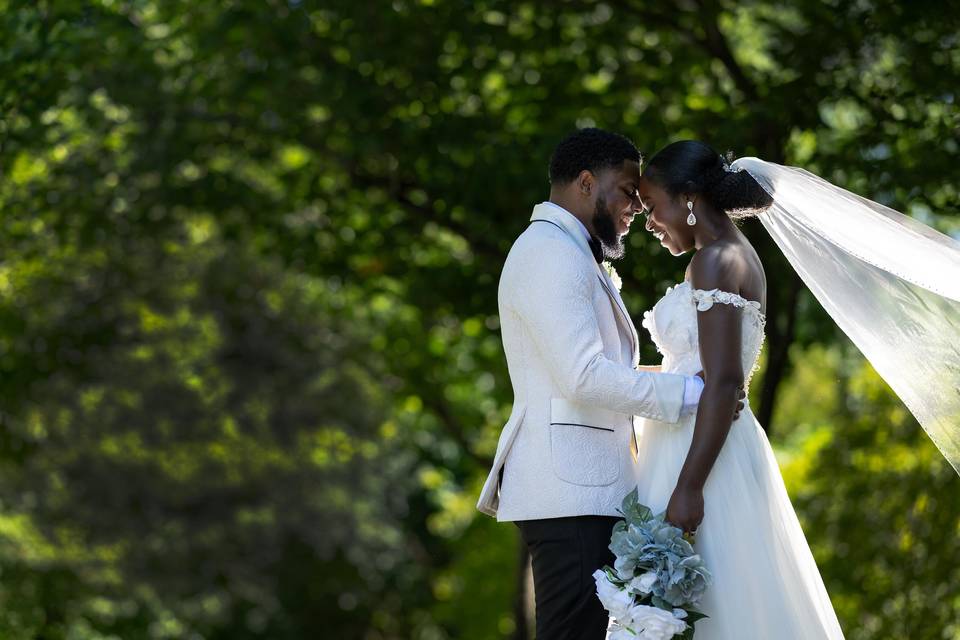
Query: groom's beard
[[606, 230]]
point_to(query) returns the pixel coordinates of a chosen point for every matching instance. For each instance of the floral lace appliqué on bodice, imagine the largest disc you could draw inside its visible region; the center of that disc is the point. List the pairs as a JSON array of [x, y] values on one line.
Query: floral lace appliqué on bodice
[[672, 323]]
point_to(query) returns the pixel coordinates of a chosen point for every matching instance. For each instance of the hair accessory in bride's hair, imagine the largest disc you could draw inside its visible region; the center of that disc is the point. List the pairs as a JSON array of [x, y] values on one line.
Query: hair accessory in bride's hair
[[727, 160], [730, 169]]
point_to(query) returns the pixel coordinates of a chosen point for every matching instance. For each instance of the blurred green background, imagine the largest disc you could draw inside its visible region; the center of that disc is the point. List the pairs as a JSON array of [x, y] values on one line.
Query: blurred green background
[[250, 370]]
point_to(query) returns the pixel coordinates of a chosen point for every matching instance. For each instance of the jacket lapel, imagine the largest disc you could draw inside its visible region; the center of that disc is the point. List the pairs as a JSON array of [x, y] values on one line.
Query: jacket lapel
[[560, 217], [611, 290]]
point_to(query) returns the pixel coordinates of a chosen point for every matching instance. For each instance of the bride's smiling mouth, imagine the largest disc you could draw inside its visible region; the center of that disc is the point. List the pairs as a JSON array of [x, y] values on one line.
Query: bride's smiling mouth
[[659, 234]]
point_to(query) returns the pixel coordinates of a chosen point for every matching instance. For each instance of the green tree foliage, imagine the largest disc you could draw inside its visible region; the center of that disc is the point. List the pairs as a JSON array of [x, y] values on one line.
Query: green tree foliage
[[250, 370], [877, 500]]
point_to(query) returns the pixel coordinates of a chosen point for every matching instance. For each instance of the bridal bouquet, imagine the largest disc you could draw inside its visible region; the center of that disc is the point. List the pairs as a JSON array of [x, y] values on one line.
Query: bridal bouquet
[[656, 581]]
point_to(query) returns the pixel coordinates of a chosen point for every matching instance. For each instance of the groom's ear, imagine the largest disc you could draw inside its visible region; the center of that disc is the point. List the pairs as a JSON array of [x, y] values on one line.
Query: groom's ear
[[586, 183]]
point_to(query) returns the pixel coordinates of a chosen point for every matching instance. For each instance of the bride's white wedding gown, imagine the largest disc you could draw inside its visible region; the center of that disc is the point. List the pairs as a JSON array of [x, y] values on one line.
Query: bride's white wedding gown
[[766, 583]]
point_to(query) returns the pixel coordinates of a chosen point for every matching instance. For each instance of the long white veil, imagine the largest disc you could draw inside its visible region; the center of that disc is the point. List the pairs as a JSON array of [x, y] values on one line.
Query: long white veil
[[891, 283]]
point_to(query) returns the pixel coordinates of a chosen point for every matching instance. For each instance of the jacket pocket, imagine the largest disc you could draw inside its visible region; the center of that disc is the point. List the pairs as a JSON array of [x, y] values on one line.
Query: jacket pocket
[[584, 445]]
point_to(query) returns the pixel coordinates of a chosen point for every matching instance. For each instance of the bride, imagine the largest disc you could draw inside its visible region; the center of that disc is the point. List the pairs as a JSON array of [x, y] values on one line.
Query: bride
[[716, 476], [891, 284]]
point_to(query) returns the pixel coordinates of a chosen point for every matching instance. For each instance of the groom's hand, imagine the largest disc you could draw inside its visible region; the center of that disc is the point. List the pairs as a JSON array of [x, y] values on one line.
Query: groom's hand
[[741, 394]]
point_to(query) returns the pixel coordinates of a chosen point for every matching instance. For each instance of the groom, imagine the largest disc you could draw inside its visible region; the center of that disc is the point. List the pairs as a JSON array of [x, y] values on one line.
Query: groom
[[566, 457]]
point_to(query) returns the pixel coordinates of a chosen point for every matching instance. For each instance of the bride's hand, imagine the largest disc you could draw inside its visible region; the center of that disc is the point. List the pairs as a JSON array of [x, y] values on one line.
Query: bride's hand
[[685, 509]]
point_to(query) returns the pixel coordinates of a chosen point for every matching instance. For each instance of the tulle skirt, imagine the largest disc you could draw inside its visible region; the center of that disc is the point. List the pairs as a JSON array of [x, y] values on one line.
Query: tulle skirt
[[766, 583]]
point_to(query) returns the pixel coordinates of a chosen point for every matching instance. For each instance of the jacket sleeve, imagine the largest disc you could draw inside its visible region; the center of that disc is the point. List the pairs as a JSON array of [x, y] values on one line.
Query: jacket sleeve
[[552, 288]]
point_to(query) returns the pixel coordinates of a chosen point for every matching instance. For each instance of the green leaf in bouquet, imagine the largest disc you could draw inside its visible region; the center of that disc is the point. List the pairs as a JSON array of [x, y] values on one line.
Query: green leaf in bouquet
[[613, 576], [694, 616], [647, 599], [629, 501], [691, 620], [632, 510]]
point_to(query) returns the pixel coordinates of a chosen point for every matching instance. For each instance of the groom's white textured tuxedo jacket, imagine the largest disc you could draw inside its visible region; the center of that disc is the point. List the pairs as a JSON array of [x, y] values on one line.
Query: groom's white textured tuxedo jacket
[[572, 351]]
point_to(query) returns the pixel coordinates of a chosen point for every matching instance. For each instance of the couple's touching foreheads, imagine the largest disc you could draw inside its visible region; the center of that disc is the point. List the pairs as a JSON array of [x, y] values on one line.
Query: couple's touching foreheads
[[590, 423]]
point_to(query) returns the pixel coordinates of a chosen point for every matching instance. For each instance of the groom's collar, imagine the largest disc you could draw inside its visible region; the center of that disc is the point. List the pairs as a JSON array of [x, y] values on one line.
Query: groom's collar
[[586, 233], [556, 214]]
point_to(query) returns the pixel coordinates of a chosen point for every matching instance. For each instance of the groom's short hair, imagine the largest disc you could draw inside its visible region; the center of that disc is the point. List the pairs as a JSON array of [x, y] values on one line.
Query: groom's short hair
[[591, 149]]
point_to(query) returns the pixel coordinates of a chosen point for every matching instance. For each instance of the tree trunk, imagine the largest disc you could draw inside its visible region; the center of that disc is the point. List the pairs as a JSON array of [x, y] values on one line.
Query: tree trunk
[[781, 327]]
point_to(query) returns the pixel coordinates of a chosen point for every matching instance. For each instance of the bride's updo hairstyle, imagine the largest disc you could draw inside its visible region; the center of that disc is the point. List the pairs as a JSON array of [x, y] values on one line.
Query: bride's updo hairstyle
[[692, 167]]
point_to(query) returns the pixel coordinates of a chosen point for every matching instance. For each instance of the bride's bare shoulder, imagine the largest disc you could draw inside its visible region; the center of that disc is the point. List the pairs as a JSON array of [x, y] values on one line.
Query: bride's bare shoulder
[[729, 266], [720, 265]]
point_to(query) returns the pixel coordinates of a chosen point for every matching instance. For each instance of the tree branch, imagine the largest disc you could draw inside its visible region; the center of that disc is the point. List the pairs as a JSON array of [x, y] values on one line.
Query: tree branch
[[779, 353], [715, 43]]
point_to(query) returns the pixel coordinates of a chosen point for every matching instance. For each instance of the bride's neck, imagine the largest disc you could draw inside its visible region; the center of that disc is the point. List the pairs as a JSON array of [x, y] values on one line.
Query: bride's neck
[[712, 226]]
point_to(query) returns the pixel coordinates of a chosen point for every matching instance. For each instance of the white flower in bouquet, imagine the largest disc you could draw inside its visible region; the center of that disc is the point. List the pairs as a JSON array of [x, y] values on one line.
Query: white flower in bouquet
[[616, 631], [614, 599], [652, 623]]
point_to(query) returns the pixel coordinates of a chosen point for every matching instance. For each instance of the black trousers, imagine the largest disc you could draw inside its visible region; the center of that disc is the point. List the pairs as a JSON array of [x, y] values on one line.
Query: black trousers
[[564, 553]]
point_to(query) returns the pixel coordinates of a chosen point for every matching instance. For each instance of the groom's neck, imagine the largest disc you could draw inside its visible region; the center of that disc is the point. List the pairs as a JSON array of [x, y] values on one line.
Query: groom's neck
[[574, 205]]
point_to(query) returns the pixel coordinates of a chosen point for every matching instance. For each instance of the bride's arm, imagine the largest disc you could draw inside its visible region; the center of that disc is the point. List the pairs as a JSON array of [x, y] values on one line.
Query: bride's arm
[[720, 338], [653, 368]]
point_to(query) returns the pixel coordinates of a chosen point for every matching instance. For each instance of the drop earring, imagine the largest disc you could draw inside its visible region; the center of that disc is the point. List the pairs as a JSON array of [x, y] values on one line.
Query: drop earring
[[691, 219]]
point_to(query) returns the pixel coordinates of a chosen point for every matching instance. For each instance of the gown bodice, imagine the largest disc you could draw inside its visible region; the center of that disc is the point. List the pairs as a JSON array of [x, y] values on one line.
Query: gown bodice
[[672, 323]]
